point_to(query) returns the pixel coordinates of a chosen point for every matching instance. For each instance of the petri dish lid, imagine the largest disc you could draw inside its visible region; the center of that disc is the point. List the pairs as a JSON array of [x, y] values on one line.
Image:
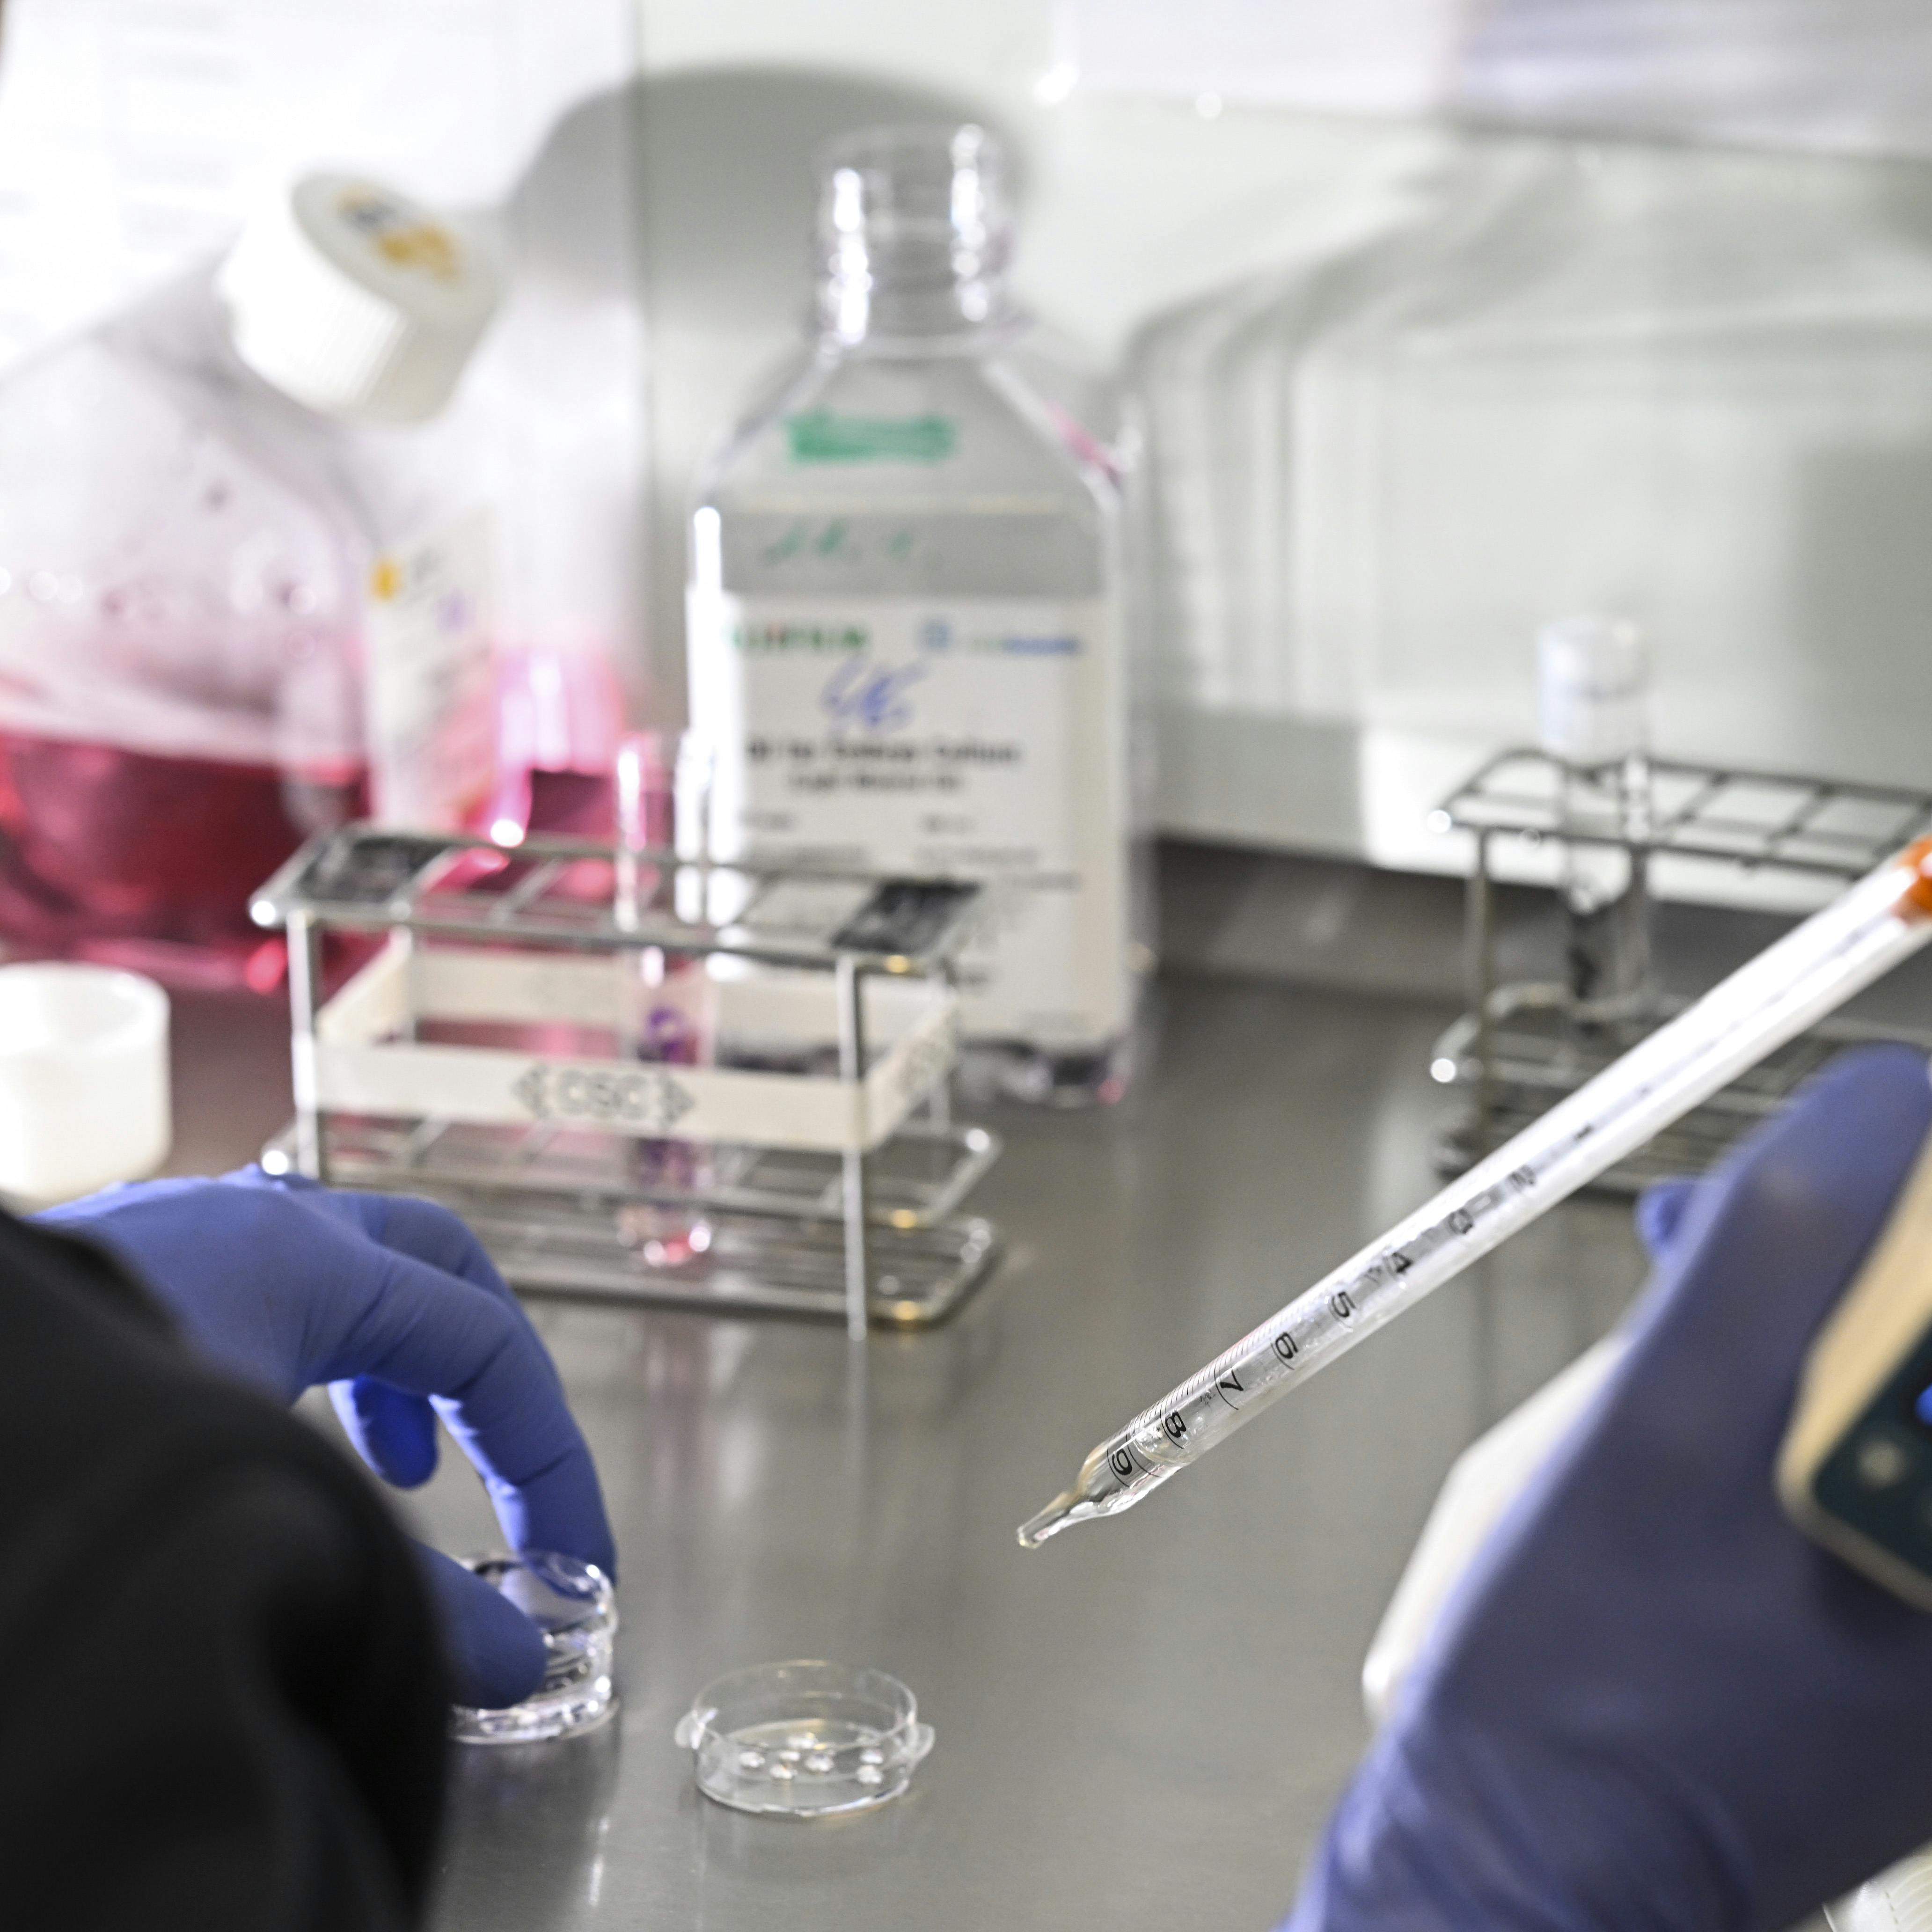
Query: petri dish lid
[[804, 1739], [573, 1604]]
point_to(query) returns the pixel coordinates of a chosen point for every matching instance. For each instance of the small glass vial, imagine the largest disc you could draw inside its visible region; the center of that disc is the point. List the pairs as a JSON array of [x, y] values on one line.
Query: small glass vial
[[666, 1002], [1593, 685], [907, 649]]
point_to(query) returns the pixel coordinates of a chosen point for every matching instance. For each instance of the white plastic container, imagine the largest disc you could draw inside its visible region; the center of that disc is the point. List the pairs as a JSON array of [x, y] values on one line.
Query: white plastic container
[[1899, 1900], [84, 1097]]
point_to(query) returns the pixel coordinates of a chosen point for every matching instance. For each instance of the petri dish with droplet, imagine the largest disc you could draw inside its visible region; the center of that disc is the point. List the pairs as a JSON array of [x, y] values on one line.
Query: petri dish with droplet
[[805, 1739], [575, 1606]]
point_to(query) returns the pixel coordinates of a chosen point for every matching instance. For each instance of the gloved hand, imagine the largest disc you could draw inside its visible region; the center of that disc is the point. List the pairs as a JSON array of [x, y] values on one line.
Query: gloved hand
[[393, 1303], [1652, 1703]]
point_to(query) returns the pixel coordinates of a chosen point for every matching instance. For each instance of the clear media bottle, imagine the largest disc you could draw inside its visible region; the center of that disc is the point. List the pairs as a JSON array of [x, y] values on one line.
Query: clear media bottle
[[906, 625]]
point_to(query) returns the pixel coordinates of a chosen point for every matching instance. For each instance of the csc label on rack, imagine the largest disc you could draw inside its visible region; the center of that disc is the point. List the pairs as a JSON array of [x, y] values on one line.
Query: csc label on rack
[[646, 1098]]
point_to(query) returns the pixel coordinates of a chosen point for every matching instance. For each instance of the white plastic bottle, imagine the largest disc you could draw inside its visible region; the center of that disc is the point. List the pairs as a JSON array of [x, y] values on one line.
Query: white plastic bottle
[[1219, 376], [1671, 378], [906, 620], [362, 307]]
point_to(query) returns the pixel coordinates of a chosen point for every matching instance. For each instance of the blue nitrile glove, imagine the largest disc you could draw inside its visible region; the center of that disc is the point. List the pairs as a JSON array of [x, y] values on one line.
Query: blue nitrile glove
[[1652, 1703], [393, 1303]]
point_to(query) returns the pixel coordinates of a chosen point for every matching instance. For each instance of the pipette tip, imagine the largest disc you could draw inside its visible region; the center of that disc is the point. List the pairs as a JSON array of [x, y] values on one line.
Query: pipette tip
[[1068, 1507], [1077, 1504], [1097, 1491]]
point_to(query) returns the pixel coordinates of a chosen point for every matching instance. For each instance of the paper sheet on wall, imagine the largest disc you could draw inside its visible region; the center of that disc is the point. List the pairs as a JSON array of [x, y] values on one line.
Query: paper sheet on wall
[[1850, 75], [134, 136]]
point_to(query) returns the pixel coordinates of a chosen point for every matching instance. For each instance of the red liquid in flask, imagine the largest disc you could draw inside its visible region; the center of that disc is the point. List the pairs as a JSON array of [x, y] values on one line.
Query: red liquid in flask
[[149, 860]]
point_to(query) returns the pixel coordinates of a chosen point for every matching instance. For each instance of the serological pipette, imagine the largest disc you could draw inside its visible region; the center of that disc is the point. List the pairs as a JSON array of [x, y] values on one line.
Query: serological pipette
[[1809, 972]]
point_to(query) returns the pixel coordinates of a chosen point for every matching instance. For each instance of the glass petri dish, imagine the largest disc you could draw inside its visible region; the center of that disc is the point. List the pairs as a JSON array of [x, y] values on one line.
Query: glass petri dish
[[575, 1606], [804, 1739]]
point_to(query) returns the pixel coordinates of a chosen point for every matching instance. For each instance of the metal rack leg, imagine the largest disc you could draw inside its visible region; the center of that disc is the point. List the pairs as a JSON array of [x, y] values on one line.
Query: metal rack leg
[[852, 1071], [939, 1101], [1479, 969], [304, 986]]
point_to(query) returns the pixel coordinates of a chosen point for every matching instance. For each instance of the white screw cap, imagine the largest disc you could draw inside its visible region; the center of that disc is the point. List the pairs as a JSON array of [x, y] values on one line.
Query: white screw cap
[[1592, 689], [357, 301]]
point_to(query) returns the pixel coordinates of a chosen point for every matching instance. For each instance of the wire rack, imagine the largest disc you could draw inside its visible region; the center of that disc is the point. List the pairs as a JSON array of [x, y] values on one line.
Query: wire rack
[[1519, 1048], [577, 894], [1749, 819], [478, 1055]]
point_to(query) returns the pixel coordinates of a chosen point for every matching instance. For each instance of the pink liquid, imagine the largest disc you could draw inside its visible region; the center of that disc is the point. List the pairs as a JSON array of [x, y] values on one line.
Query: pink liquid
[[560, 716], [105, 852]]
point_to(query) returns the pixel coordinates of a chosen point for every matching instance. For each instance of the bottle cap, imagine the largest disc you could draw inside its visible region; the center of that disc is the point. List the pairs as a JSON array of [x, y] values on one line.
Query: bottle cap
[[1592, 688], [916, 218], [356, 301]]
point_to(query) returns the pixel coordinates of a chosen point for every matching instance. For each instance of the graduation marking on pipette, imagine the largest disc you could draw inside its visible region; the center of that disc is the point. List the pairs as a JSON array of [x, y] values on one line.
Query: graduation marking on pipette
[[1791, 984]]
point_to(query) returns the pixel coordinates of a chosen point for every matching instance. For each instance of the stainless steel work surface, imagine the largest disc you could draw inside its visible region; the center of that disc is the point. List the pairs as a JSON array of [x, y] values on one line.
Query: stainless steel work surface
[[1141, 1725]]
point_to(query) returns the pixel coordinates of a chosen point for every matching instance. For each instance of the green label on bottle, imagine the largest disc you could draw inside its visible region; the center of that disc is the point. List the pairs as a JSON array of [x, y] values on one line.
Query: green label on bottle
[[824, 435]]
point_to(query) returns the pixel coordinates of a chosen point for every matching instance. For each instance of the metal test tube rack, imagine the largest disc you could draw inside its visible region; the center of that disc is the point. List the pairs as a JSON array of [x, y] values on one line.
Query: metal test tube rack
[[1515, 1052], [478, 1054]]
